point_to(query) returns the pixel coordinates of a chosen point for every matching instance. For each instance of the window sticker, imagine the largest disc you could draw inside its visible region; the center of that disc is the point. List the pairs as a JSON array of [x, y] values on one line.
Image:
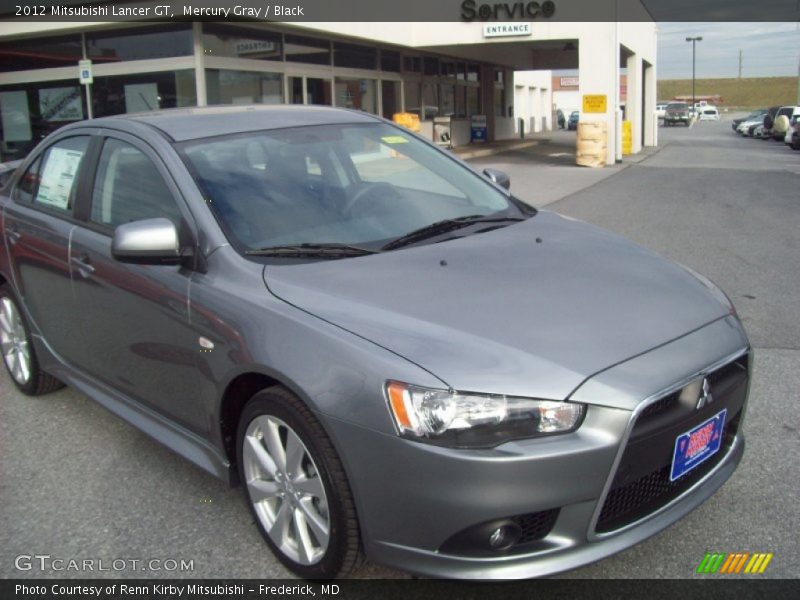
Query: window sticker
[[58, 177], [394, 139], [61, 104]]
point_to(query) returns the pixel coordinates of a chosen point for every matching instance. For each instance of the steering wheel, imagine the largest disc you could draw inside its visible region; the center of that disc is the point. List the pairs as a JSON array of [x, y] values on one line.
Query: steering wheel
[[368, 188]]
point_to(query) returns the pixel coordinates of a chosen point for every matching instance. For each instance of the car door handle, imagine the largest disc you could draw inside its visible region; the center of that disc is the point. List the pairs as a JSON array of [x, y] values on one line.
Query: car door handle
[[83, 265], [13, 235]]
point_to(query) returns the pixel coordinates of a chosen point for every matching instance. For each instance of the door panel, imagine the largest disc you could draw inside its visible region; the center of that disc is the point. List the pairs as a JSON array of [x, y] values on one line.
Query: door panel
[[137, 333], [38, 226]]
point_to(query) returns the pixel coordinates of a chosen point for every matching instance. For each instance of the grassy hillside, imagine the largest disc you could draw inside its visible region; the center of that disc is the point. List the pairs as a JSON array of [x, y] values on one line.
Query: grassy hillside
[[747, 92]]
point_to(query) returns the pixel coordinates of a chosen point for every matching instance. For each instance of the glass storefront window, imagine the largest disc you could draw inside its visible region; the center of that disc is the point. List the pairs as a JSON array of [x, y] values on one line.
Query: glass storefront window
[[243, 87], [390, 94], [356, 93], [449, 69], [473, 101], [307, 50], [355, 57], [430, 66], [238, 42], [461, 102], [411, 94], [412, 64], [29, 112], [139, 44], [430, 100], [499, 101], [41, 53], [473, 72], [143, 92], [390, 61], [448, 99]]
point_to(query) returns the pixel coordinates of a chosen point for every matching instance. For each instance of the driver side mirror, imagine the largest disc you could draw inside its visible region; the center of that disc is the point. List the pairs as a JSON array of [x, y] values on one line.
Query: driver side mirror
[[148, 242], [498, 177]]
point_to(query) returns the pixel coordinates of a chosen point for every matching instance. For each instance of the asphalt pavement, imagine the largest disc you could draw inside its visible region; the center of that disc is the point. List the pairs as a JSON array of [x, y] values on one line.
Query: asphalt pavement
[[77, 482]]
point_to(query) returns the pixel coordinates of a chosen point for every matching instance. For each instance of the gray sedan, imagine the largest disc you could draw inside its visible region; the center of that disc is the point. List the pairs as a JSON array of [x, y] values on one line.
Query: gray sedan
[[394, 356]]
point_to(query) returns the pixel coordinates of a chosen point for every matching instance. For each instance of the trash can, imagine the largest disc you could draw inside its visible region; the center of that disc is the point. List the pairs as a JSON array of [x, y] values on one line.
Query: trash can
[[627, 138]]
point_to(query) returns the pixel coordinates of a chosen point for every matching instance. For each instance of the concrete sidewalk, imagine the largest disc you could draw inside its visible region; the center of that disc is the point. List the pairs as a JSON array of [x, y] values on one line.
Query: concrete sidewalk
[[491, 148], [544, 170]]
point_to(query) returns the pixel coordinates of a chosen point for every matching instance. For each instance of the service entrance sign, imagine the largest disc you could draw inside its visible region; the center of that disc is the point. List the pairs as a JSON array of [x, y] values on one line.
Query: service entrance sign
[[595, 103]]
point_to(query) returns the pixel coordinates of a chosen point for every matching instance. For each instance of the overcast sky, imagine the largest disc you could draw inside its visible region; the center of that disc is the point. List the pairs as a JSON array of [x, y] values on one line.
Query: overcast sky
[[768, 49]]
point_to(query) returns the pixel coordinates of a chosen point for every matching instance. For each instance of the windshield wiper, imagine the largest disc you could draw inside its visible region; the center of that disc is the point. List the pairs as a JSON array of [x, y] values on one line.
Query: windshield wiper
[[444, 226], [332, 250]]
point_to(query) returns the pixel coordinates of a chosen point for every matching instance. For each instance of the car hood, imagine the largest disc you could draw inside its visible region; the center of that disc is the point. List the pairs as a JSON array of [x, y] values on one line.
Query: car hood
[[532, 309]]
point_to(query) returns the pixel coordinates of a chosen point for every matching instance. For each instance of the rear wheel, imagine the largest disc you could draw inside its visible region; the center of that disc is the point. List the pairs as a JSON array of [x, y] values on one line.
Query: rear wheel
[[296, 486], [19, 355]]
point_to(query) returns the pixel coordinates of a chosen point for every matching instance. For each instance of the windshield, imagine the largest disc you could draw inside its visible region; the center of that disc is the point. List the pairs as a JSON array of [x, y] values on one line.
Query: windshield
[[678, 106], [353, 184]]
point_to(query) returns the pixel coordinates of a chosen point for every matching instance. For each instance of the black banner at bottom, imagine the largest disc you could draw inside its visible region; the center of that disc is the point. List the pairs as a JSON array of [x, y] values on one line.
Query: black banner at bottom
[[407, 589]]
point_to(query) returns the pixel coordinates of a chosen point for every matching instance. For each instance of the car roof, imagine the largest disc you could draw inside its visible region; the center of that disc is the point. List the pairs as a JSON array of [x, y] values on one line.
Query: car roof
[[182, 124]]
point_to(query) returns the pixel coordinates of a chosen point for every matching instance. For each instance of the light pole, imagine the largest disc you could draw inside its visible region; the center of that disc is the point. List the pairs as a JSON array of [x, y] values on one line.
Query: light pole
[[694, 41]]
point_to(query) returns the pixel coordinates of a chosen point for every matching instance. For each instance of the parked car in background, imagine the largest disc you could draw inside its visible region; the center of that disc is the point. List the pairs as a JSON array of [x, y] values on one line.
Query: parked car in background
[[756, 115], [768, 121], [337, 358], [676, 113], [782, 121], [709, 113], [561, 119], [574, 117], [787, 139], [661, 110], [795, 143]]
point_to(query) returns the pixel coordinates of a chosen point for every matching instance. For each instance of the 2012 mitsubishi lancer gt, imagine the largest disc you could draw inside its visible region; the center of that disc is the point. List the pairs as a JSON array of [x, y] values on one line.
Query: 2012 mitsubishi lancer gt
[[396, 357]]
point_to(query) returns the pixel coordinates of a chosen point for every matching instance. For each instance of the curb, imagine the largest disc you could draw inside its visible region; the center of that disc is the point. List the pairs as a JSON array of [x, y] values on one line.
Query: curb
[[497, 150]]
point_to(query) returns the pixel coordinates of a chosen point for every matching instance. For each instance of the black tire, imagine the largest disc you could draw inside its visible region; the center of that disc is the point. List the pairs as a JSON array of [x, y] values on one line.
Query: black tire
[[38, 381], [343, 553]]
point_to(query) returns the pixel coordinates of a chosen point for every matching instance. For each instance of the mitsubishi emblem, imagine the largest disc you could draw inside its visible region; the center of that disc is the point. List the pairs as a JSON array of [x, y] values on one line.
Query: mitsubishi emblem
[[705, 395]]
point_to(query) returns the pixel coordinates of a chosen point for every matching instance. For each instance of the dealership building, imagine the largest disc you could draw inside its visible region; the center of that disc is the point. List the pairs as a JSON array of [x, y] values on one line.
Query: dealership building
[[443, 71]]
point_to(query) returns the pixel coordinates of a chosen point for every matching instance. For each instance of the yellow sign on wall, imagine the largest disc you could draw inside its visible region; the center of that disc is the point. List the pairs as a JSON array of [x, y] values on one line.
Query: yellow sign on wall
[[594, 103]]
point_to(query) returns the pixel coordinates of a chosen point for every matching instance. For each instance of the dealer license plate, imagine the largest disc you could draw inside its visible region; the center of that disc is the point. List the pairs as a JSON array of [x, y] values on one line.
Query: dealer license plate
[[697, 445]]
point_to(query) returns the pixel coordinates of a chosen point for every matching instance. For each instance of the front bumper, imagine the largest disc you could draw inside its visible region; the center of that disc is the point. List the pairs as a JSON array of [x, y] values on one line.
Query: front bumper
[[413, 499], [565, 548]]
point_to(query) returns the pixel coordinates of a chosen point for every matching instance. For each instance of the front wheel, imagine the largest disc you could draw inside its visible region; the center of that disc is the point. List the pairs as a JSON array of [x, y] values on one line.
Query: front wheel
[[296, 486], [19, 355]]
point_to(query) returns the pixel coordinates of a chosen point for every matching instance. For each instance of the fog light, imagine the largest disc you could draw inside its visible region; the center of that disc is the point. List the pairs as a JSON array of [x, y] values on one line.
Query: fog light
[[504, 537]]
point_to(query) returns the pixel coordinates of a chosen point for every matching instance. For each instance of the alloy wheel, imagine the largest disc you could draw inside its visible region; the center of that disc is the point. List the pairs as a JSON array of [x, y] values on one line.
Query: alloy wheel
[[286, 490], [14, 342]]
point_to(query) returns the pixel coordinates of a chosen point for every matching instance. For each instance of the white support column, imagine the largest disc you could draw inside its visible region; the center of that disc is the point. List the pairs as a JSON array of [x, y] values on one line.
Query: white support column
[[199, 64], [633, 103], [650, 119], [598, 63]]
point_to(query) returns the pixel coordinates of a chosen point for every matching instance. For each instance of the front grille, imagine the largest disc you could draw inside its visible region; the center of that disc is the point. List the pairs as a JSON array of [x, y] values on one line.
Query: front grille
[[647, 494], [642, 483], [659, 407], [535, 526]]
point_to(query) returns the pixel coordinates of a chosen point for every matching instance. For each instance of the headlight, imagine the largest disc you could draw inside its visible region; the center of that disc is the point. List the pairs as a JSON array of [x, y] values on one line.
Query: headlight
[[449, 418]]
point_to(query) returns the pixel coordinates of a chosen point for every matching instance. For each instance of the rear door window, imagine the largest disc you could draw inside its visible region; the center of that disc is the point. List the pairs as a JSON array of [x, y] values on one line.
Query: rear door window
[[50, 182]]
